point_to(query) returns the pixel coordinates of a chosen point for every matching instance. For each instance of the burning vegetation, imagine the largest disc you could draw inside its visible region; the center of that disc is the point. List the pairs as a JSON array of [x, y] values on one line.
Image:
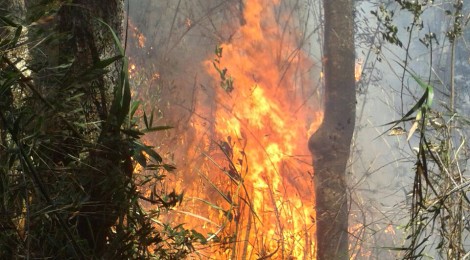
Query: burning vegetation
[[260, 129], [243, 161]]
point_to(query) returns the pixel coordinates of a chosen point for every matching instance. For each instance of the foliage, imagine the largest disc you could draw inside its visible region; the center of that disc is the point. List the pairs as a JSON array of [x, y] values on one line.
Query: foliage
[[439, 204], [226, 82], [73, 172]]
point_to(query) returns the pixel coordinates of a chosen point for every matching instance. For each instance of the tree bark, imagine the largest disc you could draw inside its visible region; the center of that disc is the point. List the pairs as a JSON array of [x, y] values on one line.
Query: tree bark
[[105, 182], [83, 42], [330, 145]]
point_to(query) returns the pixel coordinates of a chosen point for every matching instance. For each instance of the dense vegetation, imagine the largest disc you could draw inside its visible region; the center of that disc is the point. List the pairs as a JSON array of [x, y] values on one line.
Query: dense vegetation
[[436, 131], [74, 171], [71, 159]]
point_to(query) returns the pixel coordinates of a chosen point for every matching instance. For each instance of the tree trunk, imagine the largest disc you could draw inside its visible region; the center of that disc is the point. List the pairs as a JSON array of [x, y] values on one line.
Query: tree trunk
[[82, 42], [330, 145], [106, 181]]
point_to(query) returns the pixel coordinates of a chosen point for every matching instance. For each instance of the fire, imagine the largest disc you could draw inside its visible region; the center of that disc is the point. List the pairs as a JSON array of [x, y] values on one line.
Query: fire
[[132, 70], [247, 173], [137, 34], [259, 118], [188, 23], [358, 69]]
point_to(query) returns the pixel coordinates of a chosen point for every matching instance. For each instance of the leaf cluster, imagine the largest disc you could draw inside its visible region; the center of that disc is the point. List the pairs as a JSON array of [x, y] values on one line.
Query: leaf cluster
[[226, 81], [73, 170], [439, 191]]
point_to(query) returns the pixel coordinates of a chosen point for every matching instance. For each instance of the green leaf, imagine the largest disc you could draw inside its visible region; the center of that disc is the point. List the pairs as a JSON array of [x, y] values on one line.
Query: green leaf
[[146, 121], [122, 96], [126, 97], [11, 43], [122, 93], [212, 205], [424, 102], [169, 167], [135, 105], [428, 88], [6, 21], [157, 128], [140, 158], [148, 150], [218, 51], [132, 132], [115, 37], [198, 237], [407, 117], [17, 35], [103, 63]]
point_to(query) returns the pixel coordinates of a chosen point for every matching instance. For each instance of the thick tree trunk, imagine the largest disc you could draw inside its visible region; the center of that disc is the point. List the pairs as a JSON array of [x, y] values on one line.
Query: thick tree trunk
[[83, 42], [107, 179], [330, 145]]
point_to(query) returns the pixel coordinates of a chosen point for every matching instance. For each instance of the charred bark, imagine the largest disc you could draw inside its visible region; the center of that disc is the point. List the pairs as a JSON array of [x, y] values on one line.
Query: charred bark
[[330, 145]]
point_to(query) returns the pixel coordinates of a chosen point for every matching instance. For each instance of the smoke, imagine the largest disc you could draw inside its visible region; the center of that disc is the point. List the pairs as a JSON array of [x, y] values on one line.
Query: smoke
[[172, 45]]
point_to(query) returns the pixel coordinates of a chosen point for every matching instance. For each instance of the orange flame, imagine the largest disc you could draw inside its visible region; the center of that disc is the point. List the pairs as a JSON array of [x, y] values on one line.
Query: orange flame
[[262, 119], [358, 69], [255, 187]]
